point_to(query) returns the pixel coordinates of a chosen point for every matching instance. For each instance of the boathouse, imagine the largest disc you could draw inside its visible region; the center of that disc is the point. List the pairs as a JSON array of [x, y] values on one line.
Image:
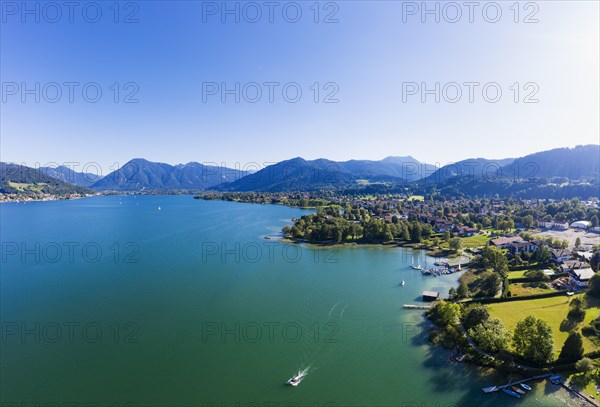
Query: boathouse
[[431, 296]]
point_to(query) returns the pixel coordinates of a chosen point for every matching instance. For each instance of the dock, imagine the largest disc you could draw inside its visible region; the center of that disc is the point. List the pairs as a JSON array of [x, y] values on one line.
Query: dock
[[411, 306], [492, 389]]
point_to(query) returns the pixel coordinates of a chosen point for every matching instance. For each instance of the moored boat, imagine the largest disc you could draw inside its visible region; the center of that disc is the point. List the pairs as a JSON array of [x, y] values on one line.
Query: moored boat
[[526, 387], [511, 393], [516, 389]]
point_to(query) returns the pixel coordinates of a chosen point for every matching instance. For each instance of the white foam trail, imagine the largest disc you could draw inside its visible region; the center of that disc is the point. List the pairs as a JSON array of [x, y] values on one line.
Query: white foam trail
[[332, 308], [343, 310]]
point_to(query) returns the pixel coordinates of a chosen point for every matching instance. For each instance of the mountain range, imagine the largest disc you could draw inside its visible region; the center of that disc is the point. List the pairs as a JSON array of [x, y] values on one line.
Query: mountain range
[[542, 173], [140, 174]]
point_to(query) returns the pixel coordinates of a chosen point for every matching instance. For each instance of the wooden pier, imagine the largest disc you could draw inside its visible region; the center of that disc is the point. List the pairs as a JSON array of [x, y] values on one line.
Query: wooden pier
[[498, 388], [411, 306]]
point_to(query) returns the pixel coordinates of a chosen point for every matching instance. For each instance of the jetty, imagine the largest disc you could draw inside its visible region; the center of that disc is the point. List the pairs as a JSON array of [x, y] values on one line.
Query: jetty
[[492, 389], [412, 306]]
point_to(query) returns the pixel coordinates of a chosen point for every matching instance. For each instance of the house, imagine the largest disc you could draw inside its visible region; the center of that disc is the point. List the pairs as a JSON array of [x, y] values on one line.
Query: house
[[570, 265], [431, 295], [521, 247], [505, 242], [467, 231], [441, 227], [561, 255], [581, 277], [554, 225]]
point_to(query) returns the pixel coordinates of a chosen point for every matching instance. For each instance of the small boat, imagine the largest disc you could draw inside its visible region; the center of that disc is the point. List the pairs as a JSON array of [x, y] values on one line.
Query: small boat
[[295, 381], [403, 282], [526, 387], [159, 208], [511, 393], [517, 389], [417, 267]]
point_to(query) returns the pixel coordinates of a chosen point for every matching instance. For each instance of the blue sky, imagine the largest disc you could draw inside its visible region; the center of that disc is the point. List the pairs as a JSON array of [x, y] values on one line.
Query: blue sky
[[366, 58]]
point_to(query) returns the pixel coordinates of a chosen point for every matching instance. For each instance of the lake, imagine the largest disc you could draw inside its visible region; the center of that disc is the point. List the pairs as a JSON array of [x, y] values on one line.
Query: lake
[[171, 301]]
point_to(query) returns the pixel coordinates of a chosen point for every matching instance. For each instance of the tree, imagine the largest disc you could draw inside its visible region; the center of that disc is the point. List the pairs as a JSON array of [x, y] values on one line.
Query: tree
[[474, 315], [455, 244], [405, 234], [527, 221], [489, 283], [594, 220], [416, 232], [490, 335], [537, 275], [584, 365], [577, 311], [495, 259], [595, 261], [542, 255], [572, 350], [594, 290], [577, 243], [463, 290], [532, 340], [445, 313]]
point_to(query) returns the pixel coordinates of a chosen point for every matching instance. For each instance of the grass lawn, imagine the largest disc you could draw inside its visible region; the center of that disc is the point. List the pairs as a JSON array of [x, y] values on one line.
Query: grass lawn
[[474, 241], [553, 310], [517, 274], [416, 198], [520, 289]]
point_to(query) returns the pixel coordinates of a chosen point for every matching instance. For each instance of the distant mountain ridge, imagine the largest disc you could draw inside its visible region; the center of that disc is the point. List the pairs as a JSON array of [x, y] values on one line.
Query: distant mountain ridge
[[23, 180], [66, 174], [298, 174], [139, 174], [553, 173]]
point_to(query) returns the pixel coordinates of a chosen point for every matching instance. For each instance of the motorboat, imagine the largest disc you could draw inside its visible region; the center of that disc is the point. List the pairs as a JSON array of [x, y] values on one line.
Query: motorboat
[[403, 282], [295, 381], [417, 267]]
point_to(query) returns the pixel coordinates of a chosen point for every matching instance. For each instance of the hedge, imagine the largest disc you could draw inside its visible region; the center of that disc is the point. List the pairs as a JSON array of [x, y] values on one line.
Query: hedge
[[488, 300]]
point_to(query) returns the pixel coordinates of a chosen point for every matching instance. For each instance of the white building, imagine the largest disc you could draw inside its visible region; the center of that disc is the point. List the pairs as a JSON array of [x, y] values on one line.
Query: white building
[[581, 224], [581, 277]]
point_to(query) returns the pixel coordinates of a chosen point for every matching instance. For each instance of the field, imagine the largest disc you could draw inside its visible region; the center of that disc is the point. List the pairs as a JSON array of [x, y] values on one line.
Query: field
[[553, 310], [520, 289], [517, 274], [474, 241], [26, 187]]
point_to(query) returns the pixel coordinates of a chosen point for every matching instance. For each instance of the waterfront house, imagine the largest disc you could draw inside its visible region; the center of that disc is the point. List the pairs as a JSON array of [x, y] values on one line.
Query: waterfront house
[[431, 295], [505, 242], [521, 247], [580, 278]]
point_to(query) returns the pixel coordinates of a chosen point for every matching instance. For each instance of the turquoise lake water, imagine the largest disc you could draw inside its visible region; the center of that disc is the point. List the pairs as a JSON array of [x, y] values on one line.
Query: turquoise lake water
[[113, 301]]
